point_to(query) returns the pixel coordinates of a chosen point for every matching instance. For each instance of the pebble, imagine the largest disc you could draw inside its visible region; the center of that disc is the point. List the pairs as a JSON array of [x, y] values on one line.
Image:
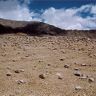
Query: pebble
[[21, 81], [76, 69], [62, 59], [66, 66], [91, 79], [59, 76], [83, 77], [8, 74], [18, 71], [21, 70], [83, 64], [49, 64], [8, 67], [77, 73], [78, 88], [42, 76]]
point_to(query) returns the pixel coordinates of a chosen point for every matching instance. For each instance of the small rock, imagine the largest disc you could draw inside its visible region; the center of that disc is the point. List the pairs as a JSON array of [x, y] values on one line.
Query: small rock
[[8, 67], [77, 73], [42, 76], [14, 60], [49, 64], [91, 80], [21, 70], [66, 66], [83, 64], [76, 69], [83, 77], [21, 81], [59, 76], [78, 88], [62, 59], [8, 74], [17, 71]]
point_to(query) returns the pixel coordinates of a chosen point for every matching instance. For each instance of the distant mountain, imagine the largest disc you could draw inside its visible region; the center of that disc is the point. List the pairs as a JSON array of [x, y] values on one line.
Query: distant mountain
[[31, 28], [39, 28]]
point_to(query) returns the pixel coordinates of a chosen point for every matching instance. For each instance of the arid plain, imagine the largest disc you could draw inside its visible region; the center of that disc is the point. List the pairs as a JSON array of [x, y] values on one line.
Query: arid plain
[[57, 58]]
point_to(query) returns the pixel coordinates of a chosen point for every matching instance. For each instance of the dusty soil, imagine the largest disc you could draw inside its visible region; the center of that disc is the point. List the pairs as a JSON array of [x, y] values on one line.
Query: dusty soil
[[47, 55]]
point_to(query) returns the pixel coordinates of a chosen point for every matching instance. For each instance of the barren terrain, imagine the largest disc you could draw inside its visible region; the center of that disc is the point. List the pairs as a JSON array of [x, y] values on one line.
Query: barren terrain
[[47, 65]]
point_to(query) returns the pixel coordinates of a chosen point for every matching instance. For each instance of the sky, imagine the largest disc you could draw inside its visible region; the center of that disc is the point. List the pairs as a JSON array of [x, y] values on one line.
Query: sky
[[65, 14]]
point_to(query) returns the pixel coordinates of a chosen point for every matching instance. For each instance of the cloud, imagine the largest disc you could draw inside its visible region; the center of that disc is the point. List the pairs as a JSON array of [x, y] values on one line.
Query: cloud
[[11, 9], [70, 18]]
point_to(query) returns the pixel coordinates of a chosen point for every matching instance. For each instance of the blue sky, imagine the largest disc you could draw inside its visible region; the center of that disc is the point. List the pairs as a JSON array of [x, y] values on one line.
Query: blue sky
[[65, 14], [44, 4]]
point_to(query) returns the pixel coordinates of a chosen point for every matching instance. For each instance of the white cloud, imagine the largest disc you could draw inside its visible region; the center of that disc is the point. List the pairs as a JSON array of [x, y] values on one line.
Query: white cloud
[[64, 18], [71, 18], [11, 9], [93, 10]]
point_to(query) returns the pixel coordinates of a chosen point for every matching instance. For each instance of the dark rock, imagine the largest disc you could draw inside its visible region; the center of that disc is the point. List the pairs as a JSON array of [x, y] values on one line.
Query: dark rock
[[17, 71], [8, 74], [76, 69], [62, 59], [66, 66], [77, 73], [42, 76]]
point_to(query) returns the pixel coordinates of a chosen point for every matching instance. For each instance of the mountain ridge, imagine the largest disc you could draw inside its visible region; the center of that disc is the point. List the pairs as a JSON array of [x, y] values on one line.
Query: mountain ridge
[[39, 28]]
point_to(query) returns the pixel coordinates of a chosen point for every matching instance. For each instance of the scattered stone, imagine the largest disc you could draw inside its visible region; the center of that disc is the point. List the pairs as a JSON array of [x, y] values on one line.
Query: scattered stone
[[14, 60], [76, 69], [77, 73], [54, 48], [21, 81], [27, 56], [21, 70], [83, 64], [91, 79], [63, 51], [17, 71], [8, 74], [83, 77], [42, 76], [8, 67], [62, 59], [59, 76], [49, 64], [78, 88], [66, 66]]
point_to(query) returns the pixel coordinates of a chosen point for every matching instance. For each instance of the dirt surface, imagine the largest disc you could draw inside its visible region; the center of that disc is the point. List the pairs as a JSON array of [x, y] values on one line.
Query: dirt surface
[[32, 56]]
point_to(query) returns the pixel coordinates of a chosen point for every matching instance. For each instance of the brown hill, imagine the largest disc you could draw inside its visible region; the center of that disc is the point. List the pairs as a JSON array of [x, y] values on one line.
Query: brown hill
[[39, 28]]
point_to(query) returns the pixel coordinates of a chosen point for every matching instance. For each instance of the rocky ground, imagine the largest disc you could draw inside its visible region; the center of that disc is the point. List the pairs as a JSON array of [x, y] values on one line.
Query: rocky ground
[[47, 65]]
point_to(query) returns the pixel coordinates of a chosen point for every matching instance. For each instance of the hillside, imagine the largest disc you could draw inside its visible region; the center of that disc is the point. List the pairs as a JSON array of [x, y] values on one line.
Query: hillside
[[39, 28]]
